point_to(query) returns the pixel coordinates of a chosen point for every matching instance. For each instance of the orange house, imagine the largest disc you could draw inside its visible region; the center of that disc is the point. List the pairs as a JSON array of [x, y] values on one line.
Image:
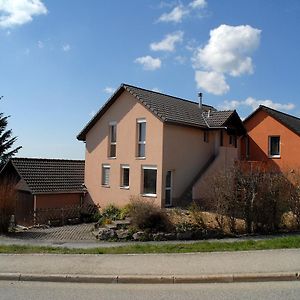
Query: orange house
[[152, 145], [273, 137]]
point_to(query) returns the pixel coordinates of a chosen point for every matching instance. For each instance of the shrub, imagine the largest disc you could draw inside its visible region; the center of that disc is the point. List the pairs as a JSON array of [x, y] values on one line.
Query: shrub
[[145, 215], [7, 203], [197, 216], [260, 198], [111, 212]]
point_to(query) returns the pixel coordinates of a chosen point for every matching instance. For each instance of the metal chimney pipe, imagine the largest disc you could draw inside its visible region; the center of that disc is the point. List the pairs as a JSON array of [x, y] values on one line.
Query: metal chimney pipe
[[200, 100]]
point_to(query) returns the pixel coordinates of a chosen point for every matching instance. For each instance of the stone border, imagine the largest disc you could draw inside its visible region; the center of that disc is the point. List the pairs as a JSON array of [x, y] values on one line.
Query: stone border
[[153, 279]]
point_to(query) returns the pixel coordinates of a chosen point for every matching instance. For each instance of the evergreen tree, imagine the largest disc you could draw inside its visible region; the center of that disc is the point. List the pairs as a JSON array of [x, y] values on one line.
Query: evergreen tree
[[6, 141]]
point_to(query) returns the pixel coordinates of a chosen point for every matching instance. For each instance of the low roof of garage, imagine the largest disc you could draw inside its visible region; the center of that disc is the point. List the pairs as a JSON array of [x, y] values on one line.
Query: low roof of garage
[[50, 175]]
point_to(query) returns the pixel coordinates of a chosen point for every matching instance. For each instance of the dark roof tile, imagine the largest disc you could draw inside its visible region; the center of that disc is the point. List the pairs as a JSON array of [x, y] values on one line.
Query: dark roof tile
[[51, 175]]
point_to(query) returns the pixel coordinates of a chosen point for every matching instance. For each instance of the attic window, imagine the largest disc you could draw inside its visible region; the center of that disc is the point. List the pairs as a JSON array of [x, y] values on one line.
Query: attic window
[[112, 140], [274, 146]]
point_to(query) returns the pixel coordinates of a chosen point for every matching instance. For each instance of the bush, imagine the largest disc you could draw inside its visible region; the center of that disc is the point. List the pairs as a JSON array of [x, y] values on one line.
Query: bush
[[145, 215], [111, 212], [258, 197], [7, 204]]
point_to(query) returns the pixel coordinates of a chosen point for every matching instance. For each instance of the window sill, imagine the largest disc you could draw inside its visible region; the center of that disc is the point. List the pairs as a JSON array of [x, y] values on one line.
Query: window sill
[[105, 186], [149, 195], [124, 187], [140, 158], [112, 157], [274, 156]]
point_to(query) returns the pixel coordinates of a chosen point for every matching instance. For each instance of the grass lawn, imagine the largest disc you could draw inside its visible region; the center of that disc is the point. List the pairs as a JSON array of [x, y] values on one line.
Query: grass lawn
[[274, 243]]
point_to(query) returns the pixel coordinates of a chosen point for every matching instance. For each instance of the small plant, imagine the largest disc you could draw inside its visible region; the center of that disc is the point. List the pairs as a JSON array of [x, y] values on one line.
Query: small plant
[[124, 212], [111, 212], [145, 215], [197, 215]]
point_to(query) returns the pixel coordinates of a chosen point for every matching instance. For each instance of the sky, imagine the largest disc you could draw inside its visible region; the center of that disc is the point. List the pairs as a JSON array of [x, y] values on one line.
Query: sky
[[60, 60]]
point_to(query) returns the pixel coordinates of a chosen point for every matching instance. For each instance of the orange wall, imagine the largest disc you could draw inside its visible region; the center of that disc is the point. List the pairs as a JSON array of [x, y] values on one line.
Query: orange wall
[[259, 128], [125, 111]]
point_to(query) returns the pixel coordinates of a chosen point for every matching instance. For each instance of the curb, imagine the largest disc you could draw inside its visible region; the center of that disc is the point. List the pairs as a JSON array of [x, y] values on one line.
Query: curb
[[152, 279]]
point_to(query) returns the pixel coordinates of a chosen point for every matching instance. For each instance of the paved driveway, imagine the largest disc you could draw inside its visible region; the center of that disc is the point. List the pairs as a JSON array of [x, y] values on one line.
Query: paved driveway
[[81, 232]]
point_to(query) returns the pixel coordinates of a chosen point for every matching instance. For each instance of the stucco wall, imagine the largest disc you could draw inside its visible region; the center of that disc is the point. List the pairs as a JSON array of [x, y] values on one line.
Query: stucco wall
[[224, 161], [259, 128], [125, 112], [185, 152]]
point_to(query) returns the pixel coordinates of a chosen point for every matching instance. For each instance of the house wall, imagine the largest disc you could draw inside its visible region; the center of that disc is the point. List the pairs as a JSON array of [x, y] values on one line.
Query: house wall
[[184, 153], [259, 128], [224, 161], [125, 112]]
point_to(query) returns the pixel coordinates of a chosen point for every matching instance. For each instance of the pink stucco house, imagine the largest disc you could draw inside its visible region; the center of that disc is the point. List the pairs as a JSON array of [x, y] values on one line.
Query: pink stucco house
[[148, 144]]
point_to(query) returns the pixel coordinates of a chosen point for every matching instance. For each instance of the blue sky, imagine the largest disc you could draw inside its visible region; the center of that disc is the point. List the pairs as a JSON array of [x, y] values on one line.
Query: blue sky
[[61, 60]]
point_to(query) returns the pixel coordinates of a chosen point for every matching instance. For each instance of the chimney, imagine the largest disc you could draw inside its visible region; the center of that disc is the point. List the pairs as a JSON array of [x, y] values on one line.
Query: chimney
[[200, 100]]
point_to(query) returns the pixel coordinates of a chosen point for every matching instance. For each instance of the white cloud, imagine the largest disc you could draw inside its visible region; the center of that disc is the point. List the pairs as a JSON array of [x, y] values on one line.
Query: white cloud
[[180, 59], [109, 90], [175, 15], [149, 63], [66, 47], [40, 44], [211, 82], [228, 50], [198, 4], [168, 43], [155, 89], [19, 12], [254, 104]]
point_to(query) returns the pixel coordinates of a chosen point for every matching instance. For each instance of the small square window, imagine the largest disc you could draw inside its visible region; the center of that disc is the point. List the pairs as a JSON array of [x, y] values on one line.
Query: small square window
[[274, 146], [105, 175], [125, 176]]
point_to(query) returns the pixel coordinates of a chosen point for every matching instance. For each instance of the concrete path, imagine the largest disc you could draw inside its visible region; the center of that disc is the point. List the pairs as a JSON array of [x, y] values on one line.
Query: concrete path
[[221, 266]]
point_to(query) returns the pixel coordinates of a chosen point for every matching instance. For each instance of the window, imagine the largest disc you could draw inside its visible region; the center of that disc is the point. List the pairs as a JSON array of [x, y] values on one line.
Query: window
[[125, 176], [274, 146], [141, 127], [168, 190], [112, 139], [105, 175], [233, 140], [247, 147], [149, 181], [205, 136]]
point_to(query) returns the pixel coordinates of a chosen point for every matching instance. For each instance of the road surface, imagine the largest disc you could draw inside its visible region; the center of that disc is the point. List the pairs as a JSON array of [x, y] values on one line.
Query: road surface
[[245, 291]]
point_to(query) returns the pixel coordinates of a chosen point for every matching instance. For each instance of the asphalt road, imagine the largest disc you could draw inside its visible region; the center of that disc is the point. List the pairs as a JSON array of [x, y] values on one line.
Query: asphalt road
[[245, 291]]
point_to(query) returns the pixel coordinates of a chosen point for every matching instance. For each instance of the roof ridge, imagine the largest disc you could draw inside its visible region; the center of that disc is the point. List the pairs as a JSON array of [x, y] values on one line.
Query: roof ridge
[[48, 159], [164, 94], [278, 111]]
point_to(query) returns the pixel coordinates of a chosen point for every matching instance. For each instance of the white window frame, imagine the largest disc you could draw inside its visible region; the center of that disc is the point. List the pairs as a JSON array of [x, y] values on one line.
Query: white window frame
[[139, 121], [122, 186], [169, 188], [269, 145], [112, 124], [145, 167], [105, 166]]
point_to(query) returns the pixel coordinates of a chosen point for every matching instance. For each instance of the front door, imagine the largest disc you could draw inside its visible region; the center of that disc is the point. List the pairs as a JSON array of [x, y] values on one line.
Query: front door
[[168, 190]]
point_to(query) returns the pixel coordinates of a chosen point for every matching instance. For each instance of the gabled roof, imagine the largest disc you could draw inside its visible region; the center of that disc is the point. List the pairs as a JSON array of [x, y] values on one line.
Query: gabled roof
[[167, 108], [291, 122], [50, 175]]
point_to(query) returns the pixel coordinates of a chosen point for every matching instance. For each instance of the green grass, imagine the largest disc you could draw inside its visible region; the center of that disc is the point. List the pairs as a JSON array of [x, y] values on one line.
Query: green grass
[[274, 243]]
